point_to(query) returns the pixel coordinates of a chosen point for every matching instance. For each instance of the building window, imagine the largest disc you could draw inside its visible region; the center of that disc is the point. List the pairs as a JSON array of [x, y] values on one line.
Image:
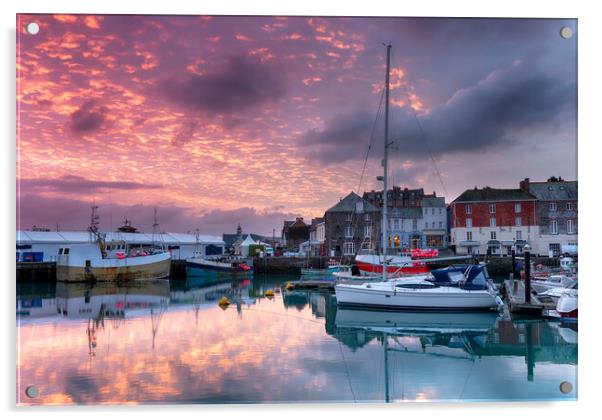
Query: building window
[[396, 224], [518, 221], [414, 224], [359, 207], [348, 248], [519, 235], [469, 222], [492, 208], [349, 217], [469, 209], [570, 226], [367, 217], [493, 236], [440, 225], [433, 212], [517, 208], [552, 206], [555, 248], [492, 222], [440, 210], [348, 232], [569, 206], [469, 236], [368, 231], [553, 227]]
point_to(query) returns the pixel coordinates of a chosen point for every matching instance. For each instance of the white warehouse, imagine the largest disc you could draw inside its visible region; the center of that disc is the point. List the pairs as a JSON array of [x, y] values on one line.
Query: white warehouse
[[45, 245]]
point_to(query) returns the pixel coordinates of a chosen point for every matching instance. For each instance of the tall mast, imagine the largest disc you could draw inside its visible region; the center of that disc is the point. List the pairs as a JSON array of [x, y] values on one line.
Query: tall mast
[[386, 155]]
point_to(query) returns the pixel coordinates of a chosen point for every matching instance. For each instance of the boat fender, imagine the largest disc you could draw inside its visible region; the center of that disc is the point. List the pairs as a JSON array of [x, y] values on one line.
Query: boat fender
[[223, 302], [269, 293], [289, 286]]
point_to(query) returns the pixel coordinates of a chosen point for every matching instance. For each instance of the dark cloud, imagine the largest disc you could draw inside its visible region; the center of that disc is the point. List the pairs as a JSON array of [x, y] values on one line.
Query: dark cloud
[[33, 209], [89, 117], [240, 84], [486, 115], [77, 184], [184, 135]]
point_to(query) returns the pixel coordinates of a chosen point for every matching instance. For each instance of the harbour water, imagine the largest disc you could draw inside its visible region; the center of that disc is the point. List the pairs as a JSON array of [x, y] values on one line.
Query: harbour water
[[170, 342]]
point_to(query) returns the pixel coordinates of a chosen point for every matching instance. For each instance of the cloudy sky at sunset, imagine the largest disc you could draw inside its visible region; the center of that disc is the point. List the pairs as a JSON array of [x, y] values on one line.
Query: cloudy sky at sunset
[[223, 120]]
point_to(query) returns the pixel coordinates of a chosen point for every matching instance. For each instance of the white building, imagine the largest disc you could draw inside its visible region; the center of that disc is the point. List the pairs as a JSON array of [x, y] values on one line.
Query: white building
[[44, 246]]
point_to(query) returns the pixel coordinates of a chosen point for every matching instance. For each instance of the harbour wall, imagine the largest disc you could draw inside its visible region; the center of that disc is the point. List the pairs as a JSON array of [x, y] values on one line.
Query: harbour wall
[[31, 272], [28, 272]]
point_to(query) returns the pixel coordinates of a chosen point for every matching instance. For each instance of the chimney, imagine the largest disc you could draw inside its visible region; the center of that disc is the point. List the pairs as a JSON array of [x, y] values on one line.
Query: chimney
[[524, 185]]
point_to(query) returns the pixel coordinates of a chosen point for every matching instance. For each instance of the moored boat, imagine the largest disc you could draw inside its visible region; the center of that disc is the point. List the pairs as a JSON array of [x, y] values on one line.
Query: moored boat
[[88, 262], [453, 288], [101, 260], [202, 266], [396, 265], [554, 281]]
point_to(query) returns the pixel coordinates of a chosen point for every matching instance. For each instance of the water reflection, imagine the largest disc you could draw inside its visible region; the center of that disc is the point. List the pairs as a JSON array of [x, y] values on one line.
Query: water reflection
[[170, 342]]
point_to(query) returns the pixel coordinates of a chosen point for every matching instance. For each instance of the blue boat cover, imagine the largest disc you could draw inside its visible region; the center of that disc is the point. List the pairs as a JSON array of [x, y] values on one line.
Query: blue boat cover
[[464, 276]]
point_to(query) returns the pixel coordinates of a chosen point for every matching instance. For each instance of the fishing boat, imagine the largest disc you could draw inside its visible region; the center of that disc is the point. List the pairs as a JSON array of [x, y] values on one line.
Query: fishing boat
[[411, 262], [199, 266], [458, 287], [101, 260]]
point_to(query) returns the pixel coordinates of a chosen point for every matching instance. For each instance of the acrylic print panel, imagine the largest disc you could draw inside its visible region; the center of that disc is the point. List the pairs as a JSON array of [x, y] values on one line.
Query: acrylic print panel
[[199, 209]]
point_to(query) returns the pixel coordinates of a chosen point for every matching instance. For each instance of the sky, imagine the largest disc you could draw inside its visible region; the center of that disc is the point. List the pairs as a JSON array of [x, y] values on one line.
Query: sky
[[220, 120]]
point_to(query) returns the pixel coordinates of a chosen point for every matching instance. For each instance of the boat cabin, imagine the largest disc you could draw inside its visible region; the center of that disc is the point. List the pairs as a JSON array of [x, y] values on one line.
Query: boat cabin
[[464, 276]]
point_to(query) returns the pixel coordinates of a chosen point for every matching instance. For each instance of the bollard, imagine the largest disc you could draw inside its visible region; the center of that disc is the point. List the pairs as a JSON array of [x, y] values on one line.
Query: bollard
[[527, 274], [513, 270]]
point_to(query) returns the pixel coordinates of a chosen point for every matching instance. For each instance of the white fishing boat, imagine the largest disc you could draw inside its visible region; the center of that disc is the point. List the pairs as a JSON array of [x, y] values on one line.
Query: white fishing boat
[[100, 260]]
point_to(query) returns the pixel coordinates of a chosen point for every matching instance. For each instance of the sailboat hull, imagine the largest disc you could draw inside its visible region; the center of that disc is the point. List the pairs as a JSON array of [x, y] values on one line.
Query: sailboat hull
[[444, 298]]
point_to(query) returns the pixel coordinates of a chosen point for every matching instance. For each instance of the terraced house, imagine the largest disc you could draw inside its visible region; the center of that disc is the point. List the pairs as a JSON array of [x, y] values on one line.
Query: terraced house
[[350, 225], [556, 211], [491, 220]]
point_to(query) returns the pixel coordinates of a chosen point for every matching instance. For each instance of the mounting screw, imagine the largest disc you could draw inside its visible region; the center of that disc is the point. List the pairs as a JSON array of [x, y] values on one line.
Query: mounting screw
[[566, 387], [32, 28], [32, 391], [566, 32]]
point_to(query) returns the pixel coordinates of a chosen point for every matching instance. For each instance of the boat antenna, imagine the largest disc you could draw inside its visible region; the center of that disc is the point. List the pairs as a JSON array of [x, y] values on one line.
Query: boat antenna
[[94, 221], [155, 228], [385, 168]]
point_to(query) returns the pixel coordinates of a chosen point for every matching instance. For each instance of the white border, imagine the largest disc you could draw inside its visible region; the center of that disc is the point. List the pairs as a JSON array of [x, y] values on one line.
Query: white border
[[589, 130]]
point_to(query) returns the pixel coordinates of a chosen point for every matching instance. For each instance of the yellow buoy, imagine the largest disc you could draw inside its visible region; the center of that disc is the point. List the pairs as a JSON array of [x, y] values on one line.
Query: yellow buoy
[[269, 293], [289, 286], [223, 301]]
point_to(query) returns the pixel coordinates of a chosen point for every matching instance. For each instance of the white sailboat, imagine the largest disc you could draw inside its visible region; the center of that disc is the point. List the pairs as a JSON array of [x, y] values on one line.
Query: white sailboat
[[465, 287]]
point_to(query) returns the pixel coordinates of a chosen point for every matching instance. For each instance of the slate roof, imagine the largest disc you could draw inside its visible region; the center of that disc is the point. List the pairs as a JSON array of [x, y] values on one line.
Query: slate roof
[[494, 194], [406, 212], [347, 205], [554, 191], [433, 201]]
